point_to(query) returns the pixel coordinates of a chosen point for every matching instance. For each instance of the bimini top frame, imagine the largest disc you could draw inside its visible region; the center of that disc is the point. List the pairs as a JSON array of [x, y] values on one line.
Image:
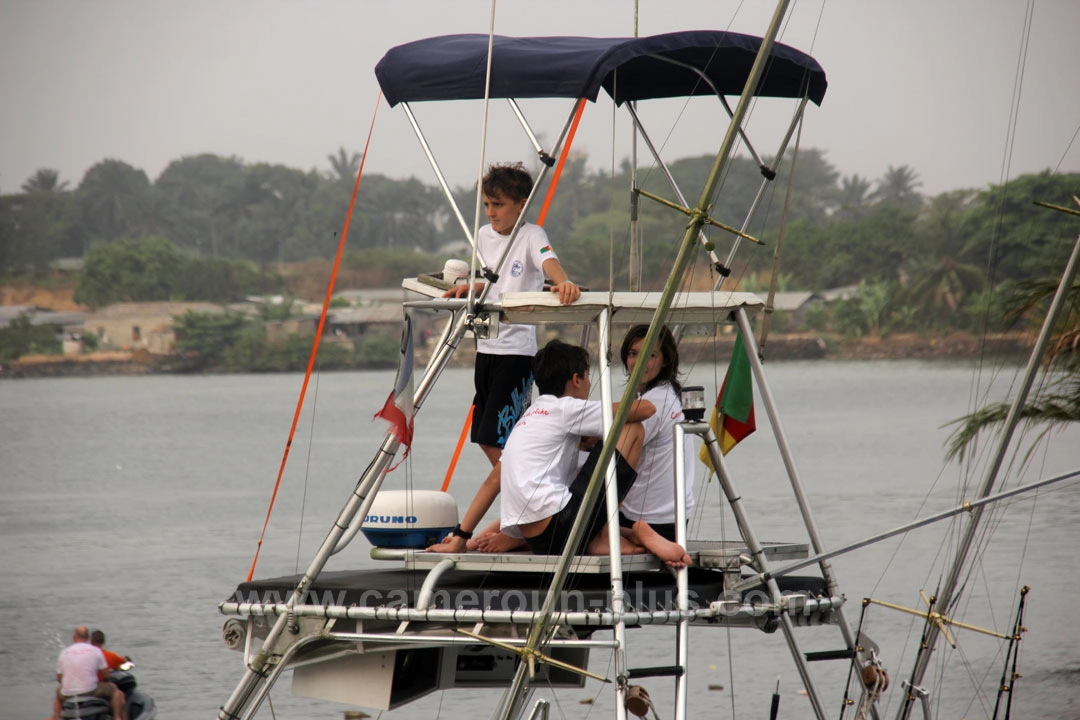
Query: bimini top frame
[[680, 64], [453, 67]]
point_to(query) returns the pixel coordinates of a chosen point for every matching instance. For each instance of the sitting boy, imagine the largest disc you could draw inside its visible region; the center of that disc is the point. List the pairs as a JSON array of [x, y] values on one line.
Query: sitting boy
[[540, 494]]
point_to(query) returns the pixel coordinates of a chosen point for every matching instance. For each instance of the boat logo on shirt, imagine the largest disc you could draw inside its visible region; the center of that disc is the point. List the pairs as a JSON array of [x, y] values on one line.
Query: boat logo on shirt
[[516, 269]]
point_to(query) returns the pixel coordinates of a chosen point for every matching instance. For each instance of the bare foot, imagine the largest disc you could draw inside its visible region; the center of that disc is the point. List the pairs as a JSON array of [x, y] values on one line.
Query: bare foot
[[671, 553], [499, 543], [599, 545], [473, 543], [450, 544]]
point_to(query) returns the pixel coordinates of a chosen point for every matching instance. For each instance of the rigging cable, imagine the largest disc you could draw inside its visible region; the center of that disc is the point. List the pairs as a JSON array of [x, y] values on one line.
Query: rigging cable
[[991, 266], [727, 626], [634, 247], [767, 316], [457, 450], [990, 529], [1003, 180], [307, 474], [563, 156], [471, 296], [318, 335]]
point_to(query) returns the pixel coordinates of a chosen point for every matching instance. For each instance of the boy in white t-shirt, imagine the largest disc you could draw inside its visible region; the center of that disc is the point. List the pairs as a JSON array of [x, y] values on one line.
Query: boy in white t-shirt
[[503, 372], [541, 494]]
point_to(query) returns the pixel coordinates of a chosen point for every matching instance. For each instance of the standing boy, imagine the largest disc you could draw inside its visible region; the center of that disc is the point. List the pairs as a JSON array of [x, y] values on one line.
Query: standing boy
[[503, 373]]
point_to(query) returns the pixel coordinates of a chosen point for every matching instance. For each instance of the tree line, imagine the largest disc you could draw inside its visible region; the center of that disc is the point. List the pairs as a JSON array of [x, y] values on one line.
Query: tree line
[[216, 228], [214, 207]]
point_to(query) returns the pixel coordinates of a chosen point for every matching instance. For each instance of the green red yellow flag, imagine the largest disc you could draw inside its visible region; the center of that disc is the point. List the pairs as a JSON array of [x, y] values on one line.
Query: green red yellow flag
[[733, 416]]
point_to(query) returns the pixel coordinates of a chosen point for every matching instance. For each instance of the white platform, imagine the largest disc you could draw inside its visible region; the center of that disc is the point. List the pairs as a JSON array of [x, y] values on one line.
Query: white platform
[[629, 307], [711, 554]]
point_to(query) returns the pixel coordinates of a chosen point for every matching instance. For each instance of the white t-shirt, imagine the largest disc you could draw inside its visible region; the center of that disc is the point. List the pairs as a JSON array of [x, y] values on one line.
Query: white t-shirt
[[652, 496], [78, 667], [540, 458], [522, 271]]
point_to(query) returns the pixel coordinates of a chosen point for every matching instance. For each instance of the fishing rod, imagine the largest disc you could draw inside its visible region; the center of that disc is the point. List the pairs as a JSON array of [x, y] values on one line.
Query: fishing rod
[[952, 582], [874, 539]]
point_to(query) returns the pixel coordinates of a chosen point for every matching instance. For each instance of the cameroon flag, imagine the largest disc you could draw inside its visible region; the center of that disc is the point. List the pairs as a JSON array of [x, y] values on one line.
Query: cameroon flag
[[733, 417]]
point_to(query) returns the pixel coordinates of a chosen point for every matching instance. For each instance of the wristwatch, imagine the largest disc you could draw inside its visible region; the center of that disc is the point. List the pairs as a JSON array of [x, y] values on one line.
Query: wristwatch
[[463, 534]]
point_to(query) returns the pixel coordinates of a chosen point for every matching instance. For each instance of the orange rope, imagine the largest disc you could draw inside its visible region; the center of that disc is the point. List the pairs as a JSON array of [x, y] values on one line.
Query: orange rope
[[457, 450], [540, 221], [562, 161], [318, 334]]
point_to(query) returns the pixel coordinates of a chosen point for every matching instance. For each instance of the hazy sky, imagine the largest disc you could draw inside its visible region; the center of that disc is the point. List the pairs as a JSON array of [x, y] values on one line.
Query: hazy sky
[[926, 83]]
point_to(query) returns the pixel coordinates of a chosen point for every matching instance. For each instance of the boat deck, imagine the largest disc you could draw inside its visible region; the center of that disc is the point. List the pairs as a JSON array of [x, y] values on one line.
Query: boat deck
[[708, 554], [519, 581]]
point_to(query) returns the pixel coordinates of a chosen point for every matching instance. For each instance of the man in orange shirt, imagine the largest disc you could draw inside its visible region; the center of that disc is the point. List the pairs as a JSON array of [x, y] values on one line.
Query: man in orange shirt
[[114, 661]]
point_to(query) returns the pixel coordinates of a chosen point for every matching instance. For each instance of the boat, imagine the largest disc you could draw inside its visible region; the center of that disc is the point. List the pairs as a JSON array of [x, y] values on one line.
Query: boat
[[516, 622]]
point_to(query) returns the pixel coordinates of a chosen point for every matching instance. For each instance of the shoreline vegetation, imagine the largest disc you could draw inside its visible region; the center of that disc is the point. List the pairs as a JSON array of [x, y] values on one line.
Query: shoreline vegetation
[[779, 347], [872, 269]]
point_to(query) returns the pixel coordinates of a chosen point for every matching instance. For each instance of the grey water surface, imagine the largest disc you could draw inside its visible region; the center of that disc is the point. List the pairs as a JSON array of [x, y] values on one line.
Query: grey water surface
[[134, 504]]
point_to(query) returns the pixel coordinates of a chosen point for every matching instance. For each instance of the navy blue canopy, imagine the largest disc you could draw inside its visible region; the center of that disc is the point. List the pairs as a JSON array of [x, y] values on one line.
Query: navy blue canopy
[[452, 67]]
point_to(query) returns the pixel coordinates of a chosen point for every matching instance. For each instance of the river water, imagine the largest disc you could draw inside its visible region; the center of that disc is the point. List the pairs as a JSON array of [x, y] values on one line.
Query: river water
[[134, 504]]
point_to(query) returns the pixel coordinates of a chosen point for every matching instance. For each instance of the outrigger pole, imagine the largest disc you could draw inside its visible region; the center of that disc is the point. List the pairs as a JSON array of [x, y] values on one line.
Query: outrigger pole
[[946, 595], [697, 219], [966, 507]]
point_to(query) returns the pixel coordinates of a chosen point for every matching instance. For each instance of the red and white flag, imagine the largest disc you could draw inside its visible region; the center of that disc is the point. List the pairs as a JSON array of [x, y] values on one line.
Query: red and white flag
[[398, 408]]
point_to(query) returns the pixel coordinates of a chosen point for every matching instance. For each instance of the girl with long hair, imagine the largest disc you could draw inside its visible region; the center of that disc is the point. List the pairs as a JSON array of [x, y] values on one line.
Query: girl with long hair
[[652, 497]]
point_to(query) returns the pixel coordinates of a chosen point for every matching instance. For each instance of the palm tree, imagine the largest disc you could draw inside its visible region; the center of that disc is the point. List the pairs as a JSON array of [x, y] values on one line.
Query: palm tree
[[44, 180], [344, 164], [854, 198], [898, 185], [1058, 400], [940, 284]]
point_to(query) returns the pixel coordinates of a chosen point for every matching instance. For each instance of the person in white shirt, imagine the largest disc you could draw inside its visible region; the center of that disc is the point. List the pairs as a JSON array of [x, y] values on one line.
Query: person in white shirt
[[652, 498], [503, 372], [81, 670], [540, 493]]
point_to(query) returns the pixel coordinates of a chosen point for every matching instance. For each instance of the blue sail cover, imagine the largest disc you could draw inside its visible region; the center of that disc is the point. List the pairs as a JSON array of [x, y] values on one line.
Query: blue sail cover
[[453, 67]]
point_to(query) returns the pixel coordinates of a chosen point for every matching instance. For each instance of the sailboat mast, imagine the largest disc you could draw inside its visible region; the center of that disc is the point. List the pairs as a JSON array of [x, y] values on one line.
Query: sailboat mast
[[945, 596]]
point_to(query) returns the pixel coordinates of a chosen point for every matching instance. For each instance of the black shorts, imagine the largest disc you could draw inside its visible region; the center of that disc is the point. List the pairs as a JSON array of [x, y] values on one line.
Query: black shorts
[[664, 530], [557, 532], [503, 392]]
